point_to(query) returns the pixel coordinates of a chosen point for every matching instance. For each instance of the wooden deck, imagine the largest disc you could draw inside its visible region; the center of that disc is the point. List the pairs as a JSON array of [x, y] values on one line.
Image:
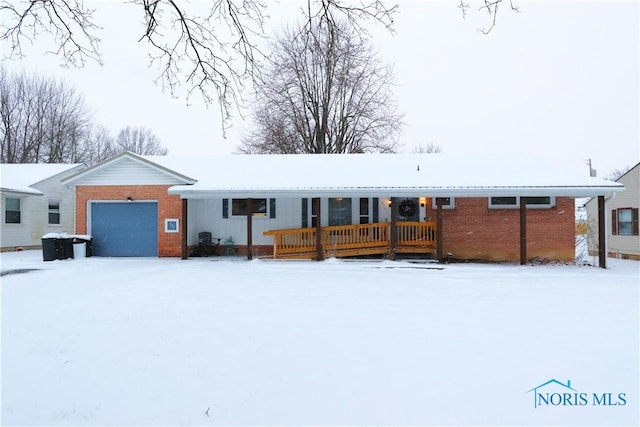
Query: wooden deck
[[354, 240]]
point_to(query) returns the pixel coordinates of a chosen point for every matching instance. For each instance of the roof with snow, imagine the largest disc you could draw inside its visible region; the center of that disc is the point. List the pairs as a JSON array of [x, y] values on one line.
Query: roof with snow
[[395, 175], [353, 175], [22, 177]]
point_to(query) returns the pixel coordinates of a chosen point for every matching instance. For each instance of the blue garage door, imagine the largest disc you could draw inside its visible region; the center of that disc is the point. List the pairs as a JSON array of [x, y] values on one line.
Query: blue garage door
[[124, 229]]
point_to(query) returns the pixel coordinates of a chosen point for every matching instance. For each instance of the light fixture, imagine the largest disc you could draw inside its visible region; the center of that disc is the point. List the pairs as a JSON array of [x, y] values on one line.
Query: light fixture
[[129, 199], [423, 201]]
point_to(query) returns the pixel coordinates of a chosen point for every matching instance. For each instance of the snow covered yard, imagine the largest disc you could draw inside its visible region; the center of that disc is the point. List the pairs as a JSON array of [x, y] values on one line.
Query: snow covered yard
[[209, 341]]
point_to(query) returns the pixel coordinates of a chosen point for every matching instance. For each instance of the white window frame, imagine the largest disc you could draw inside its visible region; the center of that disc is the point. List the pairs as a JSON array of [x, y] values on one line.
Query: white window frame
[[514, 206], [54, 211], [254, 214], [171, 225], [551, 204], [7, 210], [451, 205], [270, 212], [619, 221]]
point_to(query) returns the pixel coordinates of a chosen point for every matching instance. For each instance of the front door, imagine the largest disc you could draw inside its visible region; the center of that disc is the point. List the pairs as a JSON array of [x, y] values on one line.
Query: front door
[[409, 209]]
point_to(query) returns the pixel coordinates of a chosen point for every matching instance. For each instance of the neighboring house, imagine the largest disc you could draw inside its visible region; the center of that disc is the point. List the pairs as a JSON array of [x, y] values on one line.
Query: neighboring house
[[315, 206], [35, 203], [622, 237]]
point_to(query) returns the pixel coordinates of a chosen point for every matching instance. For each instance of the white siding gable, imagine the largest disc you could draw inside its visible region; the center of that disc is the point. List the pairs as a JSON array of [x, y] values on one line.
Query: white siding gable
[[128, 172]]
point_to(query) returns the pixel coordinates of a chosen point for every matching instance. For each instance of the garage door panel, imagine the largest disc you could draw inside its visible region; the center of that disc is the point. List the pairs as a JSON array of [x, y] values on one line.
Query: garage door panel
[[124, 229]]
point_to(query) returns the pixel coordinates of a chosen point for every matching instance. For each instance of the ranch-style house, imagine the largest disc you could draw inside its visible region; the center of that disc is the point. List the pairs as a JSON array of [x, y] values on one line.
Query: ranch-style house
[[463, 207]]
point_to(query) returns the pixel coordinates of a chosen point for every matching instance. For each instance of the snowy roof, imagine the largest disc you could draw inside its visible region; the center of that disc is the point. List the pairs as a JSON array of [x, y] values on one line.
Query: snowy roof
[[315, 175], [21, 177]]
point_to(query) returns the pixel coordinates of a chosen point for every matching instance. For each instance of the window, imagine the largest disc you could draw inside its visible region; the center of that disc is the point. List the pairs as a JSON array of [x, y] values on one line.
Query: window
[[12, 211], [447, 203], [535, 202], [375, 202], [315, 207], [54, 212], [258, 207], [171, 225], [364, 210], [503, 202], [272, 208], [305, 213], [541, 202], [340, 211], [624, 222]]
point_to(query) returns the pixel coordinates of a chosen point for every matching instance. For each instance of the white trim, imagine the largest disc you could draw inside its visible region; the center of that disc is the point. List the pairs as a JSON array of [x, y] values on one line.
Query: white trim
[[59, 202], [188, 192], [551, 204], [20, 211], [266, 214], [451, 205], [171, 225]]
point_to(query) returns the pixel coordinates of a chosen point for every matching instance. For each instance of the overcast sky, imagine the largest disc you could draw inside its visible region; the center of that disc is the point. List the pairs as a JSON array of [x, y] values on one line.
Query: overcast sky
[[558, 78]]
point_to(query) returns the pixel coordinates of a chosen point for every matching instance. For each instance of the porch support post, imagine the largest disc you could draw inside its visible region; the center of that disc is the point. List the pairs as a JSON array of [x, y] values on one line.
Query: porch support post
[[316, 208], [602, 234], [185, 248], [523, 230], [393, 233], [249, 229], [439, 245]]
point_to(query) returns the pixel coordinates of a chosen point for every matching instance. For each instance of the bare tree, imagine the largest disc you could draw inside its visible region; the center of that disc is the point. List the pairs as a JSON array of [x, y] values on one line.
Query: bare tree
[[212, 52], [617, 173], [98, 145], [428, 148], [139, 140], [324, 91], [491, 7], [42, 120]]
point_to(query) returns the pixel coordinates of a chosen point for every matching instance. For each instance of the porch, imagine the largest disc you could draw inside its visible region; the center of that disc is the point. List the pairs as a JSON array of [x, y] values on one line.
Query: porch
[[382, 238]]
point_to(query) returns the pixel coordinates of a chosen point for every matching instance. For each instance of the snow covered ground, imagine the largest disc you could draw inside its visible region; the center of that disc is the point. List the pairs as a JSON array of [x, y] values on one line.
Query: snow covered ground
[[219, 341]]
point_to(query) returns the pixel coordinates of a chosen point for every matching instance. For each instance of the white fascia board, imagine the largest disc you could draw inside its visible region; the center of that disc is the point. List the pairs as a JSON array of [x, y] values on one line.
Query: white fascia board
[[71, 171], [188, 192], [23, 192]]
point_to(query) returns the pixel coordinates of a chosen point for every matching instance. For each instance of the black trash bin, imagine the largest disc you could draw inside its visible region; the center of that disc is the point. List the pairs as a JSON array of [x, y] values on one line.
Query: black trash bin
[[66, 247], [49, 248], [56, 246]]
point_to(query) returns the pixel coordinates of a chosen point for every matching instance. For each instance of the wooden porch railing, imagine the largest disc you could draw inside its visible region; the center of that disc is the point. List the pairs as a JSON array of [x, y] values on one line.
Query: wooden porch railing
[[354, 240]]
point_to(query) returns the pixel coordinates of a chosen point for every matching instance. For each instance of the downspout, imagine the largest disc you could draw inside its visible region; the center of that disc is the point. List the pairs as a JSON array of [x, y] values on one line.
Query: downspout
[[607, 227], [185, 247]]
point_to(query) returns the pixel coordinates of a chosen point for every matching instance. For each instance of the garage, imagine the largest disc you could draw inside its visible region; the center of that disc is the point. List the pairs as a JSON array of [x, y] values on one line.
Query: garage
[[128, 229]]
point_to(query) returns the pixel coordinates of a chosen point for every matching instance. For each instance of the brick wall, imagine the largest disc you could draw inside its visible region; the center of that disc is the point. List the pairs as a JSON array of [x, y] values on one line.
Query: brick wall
[[169, 244], [475, 232]]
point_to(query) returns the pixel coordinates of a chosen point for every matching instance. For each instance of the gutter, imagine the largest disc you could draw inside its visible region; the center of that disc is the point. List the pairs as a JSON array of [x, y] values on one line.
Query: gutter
[[187, 191]]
